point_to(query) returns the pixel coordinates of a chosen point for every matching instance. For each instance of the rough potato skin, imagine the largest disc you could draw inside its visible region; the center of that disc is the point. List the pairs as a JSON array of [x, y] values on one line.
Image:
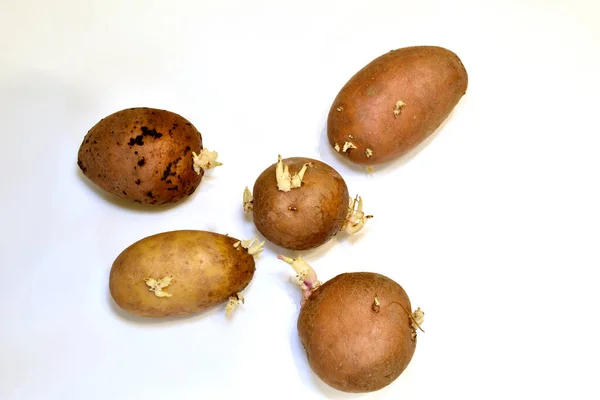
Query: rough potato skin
[[205, 266], [305, 217], [429, 80], [350, 346], [142, 154]]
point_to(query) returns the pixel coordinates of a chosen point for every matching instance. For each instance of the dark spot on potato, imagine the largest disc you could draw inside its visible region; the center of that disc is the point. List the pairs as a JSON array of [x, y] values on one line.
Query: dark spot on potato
[[139, 140], [87, 141], [125, 193], [149, 194], [292, 208], [151, 132], [188, 124], [137, 182], [168, 181], [94, 142], [176, 187], [135, 152], [83, 168], [99, 175], [167, 172], [187, 149], [118, 144], [142, 162]]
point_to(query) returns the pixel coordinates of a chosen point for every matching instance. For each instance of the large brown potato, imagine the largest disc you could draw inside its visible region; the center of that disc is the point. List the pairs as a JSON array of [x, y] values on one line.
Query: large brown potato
[[144, 155], [180, 273], [304, 217], [358, 331], [394, 103]]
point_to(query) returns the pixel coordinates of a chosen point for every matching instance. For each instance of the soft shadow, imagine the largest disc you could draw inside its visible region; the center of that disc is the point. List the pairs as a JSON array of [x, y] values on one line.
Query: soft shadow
[[311, 253], [124, 203]]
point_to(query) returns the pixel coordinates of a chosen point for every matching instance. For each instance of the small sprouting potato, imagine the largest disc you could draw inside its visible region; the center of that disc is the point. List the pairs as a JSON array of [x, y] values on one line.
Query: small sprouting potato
[[145, 155], [300, 203], [357, 329], [394, 103], [182, 272]]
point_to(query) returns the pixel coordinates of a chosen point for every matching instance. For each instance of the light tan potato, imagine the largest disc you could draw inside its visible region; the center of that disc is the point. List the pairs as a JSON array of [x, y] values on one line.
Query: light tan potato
[[145, 155], [394, 103], [181, 272]]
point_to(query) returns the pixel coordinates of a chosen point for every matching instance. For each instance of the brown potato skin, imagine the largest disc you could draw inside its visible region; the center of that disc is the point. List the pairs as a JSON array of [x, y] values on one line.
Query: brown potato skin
[[350, 346], [205, 266], [321, 206], [142, 154], [430, 80]]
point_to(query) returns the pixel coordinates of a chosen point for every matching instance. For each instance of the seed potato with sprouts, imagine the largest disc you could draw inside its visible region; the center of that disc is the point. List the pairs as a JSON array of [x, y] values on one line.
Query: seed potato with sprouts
[[300, 203], [146, 155], [182, 272], [357, 329], [394, 103]]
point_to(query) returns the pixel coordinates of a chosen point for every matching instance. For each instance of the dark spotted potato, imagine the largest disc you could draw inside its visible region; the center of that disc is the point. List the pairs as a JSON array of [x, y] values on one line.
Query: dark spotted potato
[[394, 103], [146, 155]]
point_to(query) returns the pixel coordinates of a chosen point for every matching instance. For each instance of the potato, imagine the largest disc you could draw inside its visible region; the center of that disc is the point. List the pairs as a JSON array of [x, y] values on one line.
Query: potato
[[300, 203], [357, 328], [145, 155], [182, 272], [394, 103]]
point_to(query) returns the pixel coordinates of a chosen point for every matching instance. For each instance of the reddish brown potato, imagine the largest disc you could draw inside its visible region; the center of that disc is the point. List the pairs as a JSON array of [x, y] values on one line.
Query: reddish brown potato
[[181, 272], [357, 329], [303, 217], [394, 103], [145, 155]]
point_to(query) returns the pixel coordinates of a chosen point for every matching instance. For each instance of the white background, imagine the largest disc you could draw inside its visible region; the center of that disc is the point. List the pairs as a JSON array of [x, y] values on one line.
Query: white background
[[492, 226]]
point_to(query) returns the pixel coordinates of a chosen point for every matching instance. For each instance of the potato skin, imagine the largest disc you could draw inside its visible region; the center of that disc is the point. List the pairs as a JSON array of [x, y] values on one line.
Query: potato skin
[[350, 346], [305, 217], [142, 154], [430, 80], [205, 266]]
